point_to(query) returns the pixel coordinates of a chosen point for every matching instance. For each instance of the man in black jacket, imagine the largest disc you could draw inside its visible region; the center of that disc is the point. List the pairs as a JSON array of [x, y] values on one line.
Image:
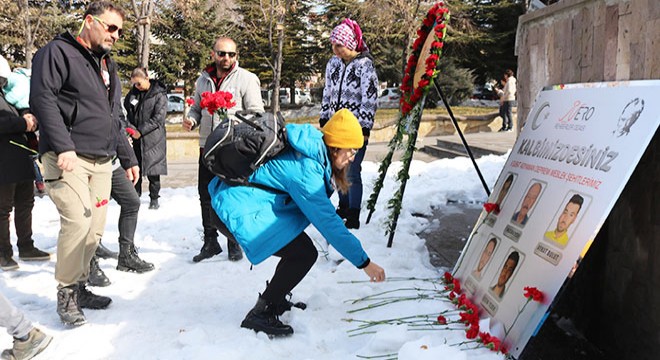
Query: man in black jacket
[[75, 94]]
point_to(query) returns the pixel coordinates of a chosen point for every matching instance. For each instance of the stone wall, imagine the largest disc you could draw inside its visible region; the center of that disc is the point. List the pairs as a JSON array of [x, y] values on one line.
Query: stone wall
[[576, 41], [614, 297]]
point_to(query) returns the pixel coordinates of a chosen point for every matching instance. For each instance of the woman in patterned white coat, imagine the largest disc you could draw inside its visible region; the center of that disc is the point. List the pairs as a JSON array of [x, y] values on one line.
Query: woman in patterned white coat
[[351, 83]]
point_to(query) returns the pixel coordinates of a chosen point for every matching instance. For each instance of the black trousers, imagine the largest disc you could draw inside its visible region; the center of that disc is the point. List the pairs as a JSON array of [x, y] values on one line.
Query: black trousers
[[154, 180], [124, 194], [20, 197], [296, 259], [204, 177]]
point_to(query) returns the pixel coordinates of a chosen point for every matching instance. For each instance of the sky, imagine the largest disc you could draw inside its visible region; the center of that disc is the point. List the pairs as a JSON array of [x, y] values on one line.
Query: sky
[[183, 310]]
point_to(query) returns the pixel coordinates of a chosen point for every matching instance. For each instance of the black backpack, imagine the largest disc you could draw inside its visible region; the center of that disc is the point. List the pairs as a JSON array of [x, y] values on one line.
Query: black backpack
[[234, 150]]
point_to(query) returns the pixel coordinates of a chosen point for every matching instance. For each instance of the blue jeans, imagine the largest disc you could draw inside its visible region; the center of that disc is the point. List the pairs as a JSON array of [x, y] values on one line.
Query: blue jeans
[[353, 200], [507, 120]]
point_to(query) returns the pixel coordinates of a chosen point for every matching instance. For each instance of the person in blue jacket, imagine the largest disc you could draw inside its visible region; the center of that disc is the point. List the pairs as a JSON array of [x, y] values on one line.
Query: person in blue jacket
[[267, 223]]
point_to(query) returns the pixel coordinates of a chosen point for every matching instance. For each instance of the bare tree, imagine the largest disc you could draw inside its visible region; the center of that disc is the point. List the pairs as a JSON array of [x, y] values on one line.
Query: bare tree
[[143, 13], [272, 19], [29, 31]]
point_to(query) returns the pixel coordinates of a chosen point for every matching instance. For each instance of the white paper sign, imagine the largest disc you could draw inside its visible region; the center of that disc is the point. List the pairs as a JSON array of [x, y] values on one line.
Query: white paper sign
[[578, 149]]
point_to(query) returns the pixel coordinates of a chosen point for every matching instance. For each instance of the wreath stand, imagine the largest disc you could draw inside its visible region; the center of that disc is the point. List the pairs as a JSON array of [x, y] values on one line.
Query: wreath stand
[[422, 63]]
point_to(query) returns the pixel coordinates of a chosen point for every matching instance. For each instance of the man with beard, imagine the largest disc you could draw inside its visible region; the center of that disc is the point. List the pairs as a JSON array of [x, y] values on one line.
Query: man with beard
[[560, 234], [75, 94], [223, 74], [528, 202]]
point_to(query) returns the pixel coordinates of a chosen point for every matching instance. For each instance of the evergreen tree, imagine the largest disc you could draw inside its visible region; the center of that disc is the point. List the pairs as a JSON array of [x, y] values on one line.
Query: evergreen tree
[[482, 35]]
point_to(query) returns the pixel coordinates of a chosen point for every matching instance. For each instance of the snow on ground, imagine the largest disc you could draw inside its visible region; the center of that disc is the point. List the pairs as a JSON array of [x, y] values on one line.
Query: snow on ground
[[183, 310]]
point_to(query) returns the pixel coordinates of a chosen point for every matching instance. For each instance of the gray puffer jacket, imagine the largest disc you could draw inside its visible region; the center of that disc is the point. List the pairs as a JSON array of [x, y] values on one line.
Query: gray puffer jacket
[[244, 85]]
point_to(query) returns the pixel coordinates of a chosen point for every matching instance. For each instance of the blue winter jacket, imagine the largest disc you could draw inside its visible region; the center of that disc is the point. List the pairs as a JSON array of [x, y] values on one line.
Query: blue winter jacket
[[263, 221]]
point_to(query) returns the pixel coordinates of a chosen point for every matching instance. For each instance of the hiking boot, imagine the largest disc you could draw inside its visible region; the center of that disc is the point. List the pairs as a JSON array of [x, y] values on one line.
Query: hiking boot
[[352, 219], [96, 275], [153, 204], [89, 300], [7, 263], [68, 308], [130, 261], [235, 252], [33, 254], [105, 253], [36, 342], [262, 318], [210, 249]]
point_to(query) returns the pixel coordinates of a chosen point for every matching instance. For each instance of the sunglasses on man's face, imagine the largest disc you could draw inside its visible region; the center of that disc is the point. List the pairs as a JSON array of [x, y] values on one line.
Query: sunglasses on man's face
[[224, 53], [110, 28]]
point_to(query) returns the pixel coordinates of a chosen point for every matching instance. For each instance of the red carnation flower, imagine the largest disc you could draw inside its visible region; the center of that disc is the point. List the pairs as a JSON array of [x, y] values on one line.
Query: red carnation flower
[[472, 332], [442, 320], [190, 101], [447, 277], [533, 293], [490, 207]]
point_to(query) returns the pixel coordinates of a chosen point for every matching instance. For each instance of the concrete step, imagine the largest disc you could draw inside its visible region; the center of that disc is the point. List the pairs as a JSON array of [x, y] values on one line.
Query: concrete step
[[441, 152], [481, 144]]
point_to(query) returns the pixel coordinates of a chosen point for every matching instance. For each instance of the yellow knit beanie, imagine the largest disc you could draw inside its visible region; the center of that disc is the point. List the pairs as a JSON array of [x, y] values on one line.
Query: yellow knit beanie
[[343, 131]]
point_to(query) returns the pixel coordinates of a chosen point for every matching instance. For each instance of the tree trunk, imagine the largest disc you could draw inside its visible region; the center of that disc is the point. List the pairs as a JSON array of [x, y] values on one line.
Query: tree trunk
[[277, 13], [27, 33], [143, 22]]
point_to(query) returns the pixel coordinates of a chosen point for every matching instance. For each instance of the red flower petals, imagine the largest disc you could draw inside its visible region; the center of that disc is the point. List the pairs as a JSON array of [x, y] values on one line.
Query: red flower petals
[[190, 101], [432, 25], [219, 101], [490, 207], [532, 293], [100, 202]]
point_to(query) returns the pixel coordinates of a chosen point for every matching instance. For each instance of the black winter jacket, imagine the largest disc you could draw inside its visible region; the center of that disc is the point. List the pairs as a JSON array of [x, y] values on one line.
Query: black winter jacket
[[75, 110], [148, 117], [15, 163]]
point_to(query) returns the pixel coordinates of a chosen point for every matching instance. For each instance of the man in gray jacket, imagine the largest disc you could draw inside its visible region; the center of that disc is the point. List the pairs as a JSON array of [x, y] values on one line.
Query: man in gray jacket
[[223, 74]]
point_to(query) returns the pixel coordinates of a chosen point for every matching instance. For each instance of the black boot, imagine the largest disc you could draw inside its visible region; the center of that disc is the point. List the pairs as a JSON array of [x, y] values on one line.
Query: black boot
[[68, 307], [235, 252], [153, 204], [286, 305], [105, 253], [262, 318], [96, 275], [352, 219], [342, 212], [130, 261], [210, 249], [89, 300]]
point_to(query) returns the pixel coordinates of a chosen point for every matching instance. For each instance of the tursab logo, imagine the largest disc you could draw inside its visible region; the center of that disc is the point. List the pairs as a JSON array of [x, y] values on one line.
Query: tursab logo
[[628, 117]]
